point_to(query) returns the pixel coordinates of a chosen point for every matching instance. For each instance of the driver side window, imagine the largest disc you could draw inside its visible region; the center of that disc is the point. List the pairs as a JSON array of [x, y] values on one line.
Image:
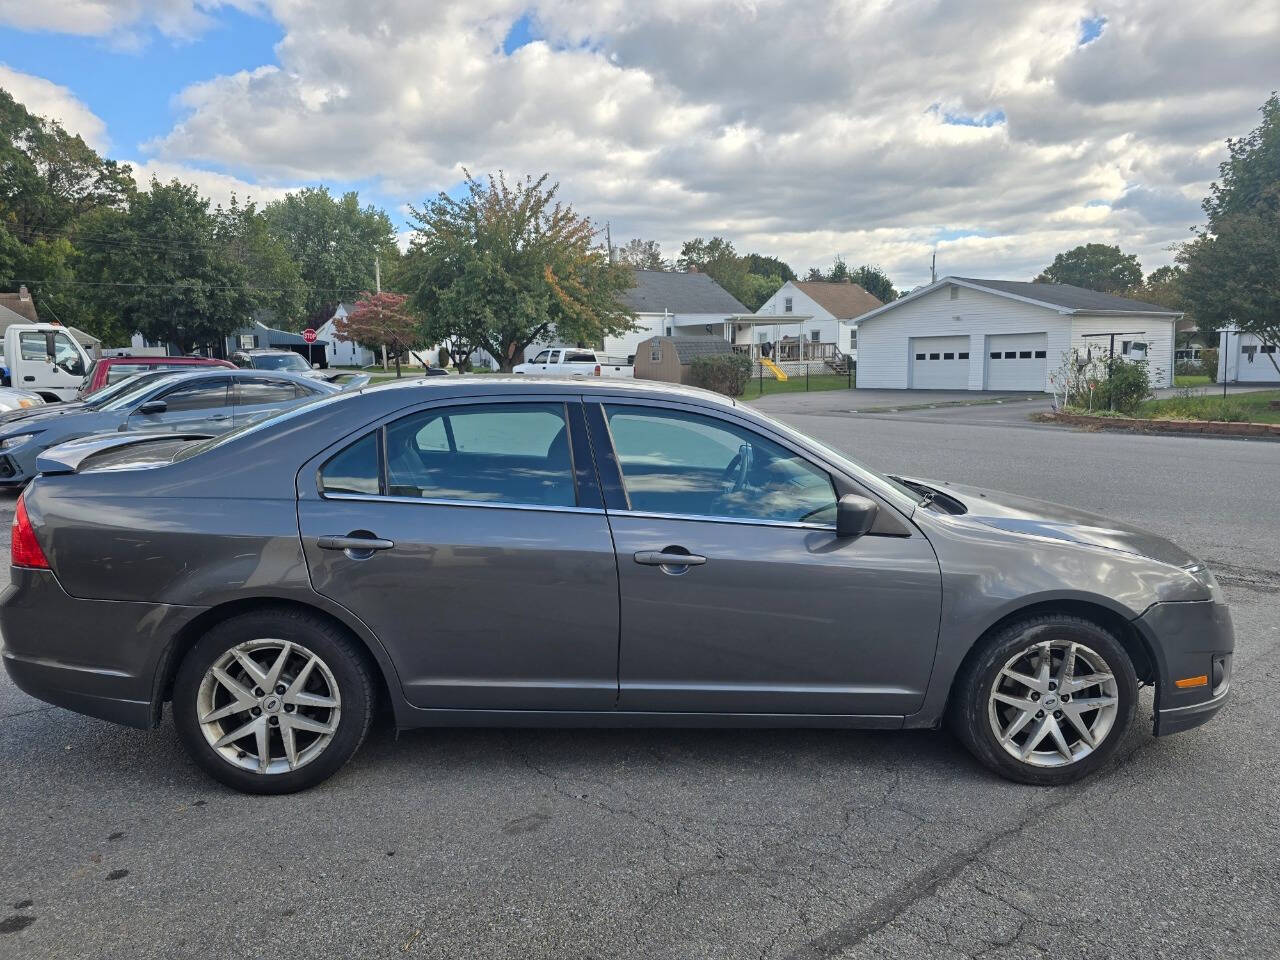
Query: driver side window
[[687, 464]]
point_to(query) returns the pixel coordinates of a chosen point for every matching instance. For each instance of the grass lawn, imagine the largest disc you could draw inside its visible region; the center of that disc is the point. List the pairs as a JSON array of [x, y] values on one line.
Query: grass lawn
[[823, 381], [1191, 380], [1237, 408]]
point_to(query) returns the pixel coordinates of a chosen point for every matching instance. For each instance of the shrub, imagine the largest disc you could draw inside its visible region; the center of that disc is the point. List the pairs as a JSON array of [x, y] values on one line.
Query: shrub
[[1209, 363], [725, 373]]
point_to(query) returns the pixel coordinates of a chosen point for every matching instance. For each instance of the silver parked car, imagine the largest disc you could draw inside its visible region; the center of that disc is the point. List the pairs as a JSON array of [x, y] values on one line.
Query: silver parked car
[[512, 552], [201, 400]]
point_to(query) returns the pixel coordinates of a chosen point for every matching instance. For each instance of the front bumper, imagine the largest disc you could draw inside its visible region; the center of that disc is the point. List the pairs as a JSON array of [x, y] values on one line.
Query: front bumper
[[1191, 639], [98, 657]]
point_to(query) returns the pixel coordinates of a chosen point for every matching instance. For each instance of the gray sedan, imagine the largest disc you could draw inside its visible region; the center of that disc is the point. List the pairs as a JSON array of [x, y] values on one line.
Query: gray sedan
[[204, 401], [513, 552]]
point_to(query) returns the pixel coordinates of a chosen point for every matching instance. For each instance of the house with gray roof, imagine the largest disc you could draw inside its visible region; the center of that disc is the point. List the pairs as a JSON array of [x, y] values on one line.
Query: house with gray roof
[[673, 304], [966, 333]]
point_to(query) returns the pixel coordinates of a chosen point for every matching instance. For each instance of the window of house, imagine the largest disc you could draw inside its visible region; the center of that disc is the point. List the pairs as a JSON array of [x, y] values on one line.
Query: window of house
[[1040, 354], [1025, 355], [687, 464], [919, 356], [955, 292], [1126, 346], [354, 469], [248, 341], [514, 453], [962, 356], [1011, 355], [813, 336], [853, 339], [1267, 348], [655, 351], [995, 355], [786, 305], [948, 356], [934, 356]]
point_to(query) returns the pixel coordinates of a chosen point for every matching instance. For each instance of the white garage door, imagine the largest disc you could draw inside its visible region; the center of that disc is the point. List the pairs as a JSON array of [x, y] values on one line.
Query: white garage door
[[1017, 361], [939, 363]]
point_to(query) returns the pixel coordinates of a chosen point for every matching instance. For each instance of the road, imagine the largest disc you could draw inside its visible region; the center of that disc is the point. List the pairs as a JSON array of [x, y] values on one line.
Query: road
[[718, 844]]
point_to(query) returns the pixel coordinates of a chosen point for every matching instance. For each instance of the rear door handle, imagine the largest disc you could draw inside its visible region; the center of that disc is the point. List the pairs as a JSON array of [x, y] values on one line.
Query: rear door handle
[[663, 558], [358, 544]]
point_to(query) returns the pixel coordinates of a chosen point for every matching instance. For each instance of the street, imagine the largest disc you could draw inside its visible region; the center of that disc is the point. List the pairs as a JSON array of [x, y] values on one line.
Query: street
[[719, 844]]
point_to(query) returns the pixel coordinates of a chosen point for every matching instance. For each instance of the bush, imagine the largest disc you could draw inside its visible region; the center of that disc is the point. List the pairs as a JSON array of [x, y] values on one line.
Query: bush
[[1209, 363], [725, 373]]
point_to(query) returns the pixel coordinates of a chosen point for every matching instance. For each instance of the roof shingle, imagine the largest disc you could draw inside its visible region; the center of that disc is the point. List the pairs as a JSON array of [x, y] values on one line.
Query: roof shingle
[[844, 301], [658, 290], [1069, 297]]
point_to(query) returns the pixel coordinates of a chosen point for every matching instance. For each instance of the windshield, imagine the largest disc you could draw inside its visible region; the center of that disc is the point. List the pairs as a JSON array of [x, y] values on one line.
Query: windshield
[[280, 361], [839, 458]]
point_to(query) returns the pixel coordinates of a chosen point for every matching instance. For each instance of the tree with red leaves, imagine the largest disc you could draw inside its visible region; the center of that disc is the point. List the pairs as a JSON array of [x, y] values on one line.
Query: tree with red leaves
[[381, 320]]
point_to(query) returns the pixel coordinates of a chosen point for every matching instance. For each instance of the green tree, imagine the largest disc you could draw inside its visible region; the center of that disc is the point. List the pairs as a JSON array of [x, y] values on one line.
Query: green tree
[[765, 266], [1095, 266], [276, 283], [1232, 278], [718, 260], [508, 264], [642, 254], [166, 274], [875, 281], [334, 242]]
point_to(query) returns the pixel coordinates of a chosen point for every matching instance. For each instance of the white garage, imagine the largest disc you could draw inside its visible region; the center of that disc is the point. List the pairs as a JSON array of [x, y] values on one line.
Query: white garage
[[962, 333], [1017, 361], [939, 363], [1244, 358]]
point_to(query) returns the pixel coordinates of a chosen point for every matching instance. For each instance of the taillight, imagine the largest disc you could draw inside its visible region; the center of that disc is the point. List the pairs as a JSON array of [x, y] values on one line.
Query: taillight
[[597, 369], [24, 547]]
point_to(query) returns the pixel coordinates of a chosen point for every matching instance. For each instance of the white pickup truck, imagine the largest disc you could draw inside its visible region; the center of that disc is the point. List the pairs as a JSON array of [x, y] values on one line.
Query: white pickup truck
[[573, 362], [45, 359]]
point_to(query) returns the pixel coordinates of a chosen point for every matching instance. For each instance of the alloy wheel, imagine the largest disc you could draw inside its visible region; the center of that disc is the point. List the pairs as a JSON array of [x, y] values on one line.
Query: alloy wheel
[[269, 706], [1053, 703]]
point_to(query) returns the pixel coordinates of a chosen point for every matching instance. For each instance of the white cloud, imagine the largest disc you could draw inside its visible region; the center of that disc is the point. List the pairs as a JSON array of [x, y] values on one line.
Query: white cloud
[[47, 99], [801, 128], [218, 187], [119, 20]]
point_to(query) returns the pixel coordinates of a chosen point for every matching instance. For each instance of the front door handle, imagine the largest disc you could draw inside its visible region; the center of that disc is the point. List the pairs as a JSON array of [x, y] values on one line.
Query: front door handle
[[354, 544], [668, 558]]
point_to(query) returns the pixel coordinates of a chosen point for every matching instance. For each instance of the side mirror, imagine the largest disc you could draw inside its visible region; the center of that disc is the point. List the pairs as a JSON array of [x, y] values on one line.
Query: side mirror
[[855, 515], [153, 406]]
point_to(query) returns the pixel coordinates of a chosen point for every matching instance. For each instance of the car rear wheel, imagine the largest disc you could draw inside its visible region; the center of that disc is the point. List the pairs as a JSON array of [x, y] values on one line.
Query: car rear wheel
[[1046, 700], [273, 702]]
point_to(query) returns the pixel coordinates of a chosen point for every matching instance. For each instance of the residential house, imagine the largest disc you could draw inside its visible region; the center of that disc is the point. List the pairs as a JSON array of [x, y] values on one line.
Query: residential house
[[813, 319], [963, 333], [1244, 358], [339, 352]]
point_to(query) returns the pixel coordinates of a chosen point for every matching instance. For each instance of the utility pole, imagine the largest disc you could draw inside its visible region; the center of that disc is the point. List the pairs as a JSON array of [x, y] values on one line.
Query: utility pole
[[933, 267], [608, 238], [377, 286]]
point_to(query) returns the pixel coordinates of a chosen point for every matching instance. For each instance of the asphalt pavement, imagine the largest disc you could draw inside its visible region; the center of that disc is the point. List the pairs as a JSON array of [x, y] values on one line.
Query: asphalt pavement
[[691, 844]]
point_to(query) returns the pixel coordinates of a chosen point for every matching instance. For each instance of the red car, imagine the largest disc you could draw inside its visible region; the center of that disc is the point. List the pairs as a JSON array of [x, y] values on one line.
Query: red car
[[109, 370]]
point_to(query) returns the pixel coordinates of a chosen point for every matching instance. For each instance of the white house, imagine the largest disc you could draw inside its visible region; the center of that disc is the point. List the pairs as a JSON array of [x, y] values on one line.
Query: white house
[[1244, 358], [961, 333], [818, 312], [676, 305], [339, 352]]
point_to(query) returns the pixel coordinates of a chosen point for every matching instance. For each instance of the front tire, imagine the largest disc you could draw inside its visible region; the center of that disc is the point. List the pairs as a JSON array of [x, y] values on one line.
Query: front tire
[[1046, 700], [273, 702]]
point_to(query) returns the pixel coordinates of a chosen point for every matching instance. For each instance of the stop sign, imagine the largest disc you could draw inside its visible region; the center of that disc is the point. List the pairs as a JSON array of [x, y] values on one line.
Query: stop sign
[[309, 335]]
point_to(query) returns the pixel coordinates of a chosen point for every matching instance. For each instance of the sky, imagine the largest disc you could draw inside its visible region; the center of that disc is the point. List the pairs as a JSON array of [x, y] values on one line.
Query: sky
[[996, 132]]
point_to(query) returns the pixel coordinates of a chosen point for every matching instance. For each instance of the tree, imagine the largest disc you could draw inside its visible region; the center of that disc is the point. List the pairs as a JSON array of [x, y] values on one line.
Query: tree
[[875, 281], [1232, 278], [166, 275], [509, 264], [276, 283], [334, 242], [764, 266], [381, 320], [642, 254], [1095, 266], [718, 260]]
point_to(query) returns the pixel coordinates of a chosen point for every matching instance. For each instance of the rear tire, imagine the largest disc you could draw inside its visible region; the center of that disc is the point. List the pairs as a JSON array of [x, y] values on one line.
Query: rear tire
[[273, 701], [1029, 715]]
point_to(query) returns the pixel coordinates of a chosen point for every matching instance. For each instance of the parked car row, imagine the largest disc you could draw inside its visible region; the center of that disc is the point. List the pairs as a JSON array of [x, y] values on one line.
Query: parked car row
[[693, 563]]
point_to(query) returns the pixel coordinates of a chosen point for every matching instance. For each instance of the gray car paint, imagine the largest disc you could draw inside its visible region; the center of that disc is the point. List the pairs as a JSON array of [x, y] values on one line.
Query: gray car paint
[[177, 545], [58, 425]]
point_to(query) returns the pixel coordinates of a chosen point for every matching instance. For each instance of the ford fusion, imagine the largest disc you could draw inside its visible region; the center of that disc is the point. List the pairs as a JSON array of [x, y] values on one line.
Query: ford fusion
[[514, 552]]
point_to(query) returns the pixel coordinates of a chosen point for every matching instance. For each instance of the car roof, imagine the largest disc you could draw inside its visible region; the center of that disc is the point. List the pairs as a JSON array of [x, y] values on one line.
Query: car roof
[[487, 385], [237, 373], [266, 350], [197, 361]]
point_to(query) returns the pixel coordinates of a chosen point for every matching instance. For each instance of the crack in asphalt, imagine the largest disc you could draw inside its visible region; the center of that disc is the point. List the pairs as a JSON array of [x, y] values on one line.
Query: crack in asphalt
[[1255, 578]]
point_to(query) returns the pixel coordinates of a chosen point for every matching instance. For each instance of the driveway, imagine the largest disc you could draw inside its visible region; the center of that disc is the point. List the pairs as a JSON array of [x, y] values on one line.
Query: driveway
[[703, 844]]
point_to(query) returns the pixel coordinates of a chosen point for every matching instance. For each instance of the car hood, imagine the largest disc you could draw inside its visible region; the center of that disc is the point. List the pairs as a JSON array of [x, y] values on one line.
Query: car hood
[[38, 418], [1039, 518]]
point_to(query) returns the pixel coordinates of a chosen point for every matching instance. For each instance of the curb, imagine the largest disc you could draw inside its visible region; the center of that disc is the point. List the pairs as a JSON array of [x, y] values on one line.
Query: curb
[[1210, 428], [942, 404]]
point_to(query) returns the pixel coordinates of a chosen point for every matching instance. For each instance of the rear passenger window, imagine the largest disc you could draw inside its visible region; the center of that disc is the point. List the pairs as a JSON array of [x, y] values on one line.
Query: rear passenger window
[[514, 453], [256, 392], [354, 470]]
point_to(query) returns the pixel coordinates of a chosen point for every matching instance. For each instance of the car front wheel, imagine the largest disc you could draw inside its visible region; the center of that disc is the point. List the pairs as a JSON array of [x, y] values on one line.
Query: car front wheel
[[1046, 701], [273, 702]]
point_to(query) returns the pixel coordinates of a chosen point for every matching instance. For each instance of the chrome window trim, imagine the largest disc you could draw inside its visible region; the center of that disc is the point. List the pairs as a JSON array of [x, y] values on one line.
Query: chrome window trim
[[444, 502], [740, 521]]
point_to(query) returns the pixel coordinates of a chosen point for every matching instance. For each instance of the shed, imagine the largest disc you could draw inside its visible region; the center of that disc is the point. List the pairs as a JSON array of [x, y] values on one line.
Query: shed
[[670, 358]]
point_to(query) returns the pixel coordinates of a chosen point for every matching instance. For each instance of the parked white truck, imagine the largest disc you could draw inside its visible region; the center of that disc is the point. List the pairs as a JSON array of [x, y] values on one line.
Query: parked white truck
[[573, 362], [45, 359]]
